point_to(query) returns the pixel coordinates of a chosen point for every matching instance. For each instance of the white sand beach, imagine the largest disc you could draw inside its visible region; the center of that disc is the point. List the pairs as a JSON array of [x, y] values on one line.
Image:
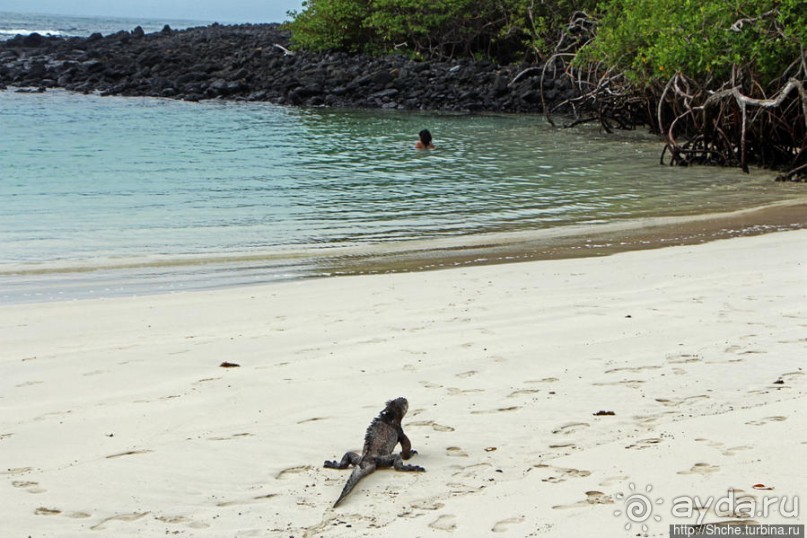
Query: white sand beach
[[116, 418]]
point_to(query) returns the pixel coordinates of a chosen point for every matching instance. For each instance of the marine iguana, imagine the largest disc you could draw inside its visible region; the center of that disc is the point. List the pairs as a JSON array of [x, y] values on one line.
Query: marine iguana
[[383, 434]]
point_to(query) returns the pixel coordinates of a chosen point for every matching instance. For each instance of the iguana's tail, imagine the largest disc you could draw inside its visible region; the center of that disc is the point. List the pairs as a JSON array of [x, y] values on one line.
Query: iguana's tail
[[359, 472]]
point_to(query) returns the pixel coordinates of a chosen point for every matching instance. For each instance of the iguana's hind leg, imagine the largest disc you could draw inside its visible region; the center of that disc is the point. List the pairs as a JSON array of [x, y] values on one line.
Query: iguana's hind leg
[[350, 458], [396, 462]]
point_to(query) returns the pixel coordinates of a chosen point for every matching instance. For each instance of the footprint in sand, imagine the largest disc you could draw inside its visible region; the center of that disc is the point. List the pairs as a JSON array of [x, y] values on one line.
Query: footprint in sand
[[644, 443], [571, 427], [675, 402], [630, 383], [683, 358], [427, 504], [128, 453], [30, 487], [134, 516], [28, 384], [611, 480], [17, 471], [766, 420], [730, 451], [523, 392], [230, 437], [632, 369], [592, 498], [702, 469], [456, 452], [436, 427], [499, 410], [563, 445], [472, 471], [251, 500], [505, 524], [43, 511], [561, 474], [293, 470], [182, 520], [739, 350], [469, 373], [544, 380], [709, 443], [457, 488], [312, 419], [430, 385], [52, 415], [598, 497], [454, 391], [206, 380], [759, 391], [649, 420], [446, 522]]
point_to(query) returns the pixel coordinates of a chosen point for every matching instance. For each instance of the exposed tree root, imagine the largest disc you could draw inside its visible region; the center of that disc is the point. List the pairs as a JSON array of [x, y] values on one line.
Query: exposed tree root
[[730, 128], [735, 125]]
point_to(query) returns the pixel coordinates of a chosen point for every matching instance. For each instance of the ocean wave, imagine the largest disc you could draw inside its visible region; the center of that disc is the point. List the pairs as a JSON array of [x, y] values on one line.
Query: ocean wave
[[8, 33], [13, 24]]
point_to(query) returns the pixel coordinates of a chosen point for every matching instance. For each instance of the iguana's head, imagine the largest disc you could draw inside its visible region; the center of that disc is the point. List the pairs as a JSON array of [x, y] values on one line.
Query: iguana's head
[[396, 409]]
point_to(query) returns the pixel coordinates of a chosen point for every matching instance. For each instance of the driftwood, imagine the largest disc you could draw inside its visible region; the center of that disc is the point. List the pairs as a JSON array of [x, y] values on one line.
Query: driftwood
[[286, 52]]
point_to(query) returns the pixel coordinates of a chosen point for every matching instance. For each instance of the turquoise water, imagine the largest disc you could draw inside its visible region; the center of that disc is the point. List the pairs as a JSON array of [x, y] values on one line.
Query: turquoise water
[[110, 196]]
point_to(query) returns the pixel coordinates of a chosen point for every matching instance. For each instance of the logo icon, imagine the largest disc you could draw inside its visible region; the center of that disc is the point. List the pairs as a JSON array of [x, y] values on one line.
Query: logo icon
[[638, 507]]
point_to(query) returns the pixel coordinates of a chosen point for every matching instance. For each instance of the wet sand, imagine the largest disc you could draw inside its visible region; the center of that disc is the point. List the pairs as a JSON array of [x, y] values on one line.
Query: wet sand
[[580, 241]]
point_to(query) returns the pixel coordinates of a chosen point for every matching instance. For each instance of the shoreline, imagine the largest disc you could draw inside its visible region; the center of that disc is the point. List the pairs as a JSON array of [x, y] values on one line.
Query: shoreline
[[584, 241], [697, 350], [32, 283]]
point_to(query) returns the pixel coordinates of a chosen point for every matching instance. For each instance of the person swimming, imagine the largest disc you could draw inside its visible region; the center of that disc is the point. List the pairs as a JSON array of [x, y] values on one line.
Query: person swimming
[[425, 141]]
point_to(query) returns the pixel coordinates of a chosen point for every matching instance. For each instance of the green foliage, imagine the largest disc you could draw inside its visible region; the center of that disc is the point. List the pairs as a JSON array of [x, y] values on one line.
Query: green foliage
[[652, 39], [793, 19], [331, 25], [440, 28], [647, 39], [548, 20], [499, 29]]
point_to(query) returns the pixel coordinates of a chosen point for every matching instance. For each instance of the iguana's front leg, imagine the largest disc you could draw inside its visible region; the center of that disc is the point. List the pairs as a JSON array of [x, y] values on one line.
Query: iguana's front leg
[[406, 444]]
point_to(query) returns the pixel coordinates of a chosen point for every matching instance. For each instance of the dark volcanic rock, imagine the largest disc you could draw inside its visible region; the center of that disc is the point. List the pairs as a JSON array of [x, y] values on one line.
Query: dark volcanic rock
[[251, 62]]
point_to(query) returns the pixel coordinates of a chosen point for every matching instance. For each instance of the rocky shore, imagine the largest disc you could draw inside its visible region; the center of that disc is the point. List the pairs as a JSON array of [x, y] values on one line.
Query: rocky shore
[[253, 63]]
